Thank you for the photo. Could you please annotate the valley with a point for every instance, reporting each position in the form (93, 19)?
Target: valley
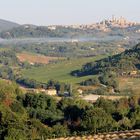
(60, 71)
(70, 82)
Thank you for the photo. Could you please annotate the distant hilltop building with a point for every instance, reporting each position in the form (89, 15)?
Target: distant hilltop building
(52, 27)
(117, 22)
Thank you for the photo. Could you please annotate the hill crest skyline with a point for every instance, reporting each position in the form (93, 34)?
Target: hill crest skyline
(113, 18)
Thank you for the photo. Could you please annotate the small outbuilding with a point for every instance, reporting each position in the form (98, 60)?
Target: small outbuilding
(51, 92)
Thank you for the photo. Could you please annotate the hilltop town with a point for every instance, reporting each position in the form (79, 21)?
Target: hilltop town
(104, 25)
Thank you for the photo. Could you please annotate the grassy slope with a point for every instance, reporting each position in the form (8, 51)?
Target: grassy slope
(129, 83)
(60, 71)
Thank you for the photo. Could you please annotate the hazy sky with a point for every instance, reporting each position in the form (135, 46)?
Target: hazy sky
(46, 12)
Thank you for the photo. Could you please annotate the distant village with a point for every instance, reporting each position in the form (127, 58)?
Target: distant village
(104, 25)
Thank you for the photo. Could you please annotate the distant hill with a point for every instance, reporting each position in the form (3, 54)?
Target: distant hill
(119, 28)
(7, 25)
(125, 62)
(32, 31)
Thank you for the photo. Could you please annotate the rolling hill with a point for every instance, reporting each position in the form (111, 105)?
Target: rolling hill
(125, 62)
(32, 31)
(12, 30)
(7, 25)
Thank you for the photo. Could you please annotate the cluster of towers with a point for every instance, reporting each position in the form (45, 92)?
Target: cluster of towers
(121, 22)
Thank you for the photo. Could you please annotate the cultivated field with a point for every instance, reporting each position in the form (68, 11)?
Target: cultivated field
(36, 58)
(129, 83)
(93, 98)
(60, 71)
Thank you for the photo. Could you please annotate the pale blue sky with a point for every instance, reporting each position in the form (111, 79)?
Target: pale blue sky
(46, 12)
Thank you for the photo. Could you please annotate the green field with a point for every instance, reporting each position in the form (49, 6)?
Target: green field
(60, 71)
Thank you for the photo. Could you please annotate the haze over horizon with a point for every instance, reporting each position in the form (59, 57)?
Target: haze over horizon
(62, 12)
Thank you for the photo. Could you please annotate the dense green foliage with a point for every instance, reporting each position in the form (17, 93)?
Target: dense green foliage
(35, 116)
(8, 58)
(41, 107)
(90, 82)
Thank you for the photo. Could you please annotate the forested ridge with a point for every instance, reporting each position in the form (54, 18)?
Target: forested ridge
(127, 61)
